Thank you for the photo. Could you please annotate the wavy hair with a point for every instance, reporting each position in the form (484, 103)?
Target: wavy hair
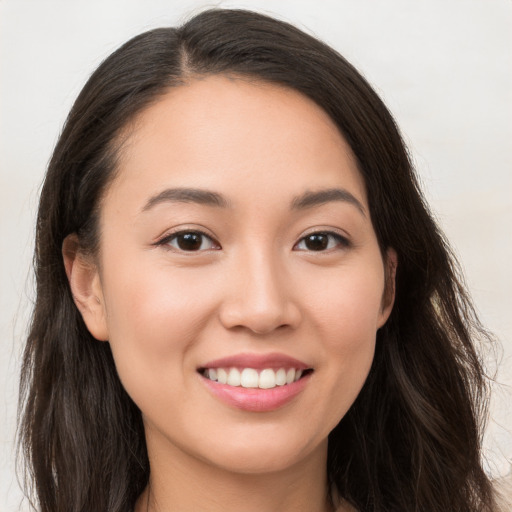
(412, 439)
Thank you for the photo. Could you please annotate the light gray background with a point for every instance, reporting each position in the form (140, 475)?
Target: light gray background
(442, 66)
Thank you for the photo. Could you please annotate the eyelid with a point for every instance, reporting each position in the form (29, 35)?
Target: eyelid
(342, 238)
(170, 235)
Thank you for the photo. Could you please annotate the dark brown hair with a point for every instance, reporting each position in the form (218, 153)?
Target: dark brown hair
(410, 442)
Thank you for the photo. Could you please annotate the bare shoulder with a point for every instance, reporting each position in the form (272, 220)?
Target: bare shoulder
(503, 488)
(345, 507)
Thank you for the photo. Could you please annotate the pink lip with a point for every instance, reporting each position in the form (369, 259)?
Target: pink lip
(258, 362)
(255, 399)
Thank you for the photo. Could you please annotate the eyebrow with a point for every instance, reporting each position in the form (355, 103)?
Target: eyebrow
(312, 199)
(187, 195)
(207, 197)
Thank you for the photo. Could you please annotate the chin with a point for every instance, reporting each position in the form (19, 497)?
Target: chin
(268, 454)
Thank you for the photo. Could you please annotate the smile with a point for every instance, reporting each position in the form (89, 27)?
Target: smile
(256, 382)
(266, 378)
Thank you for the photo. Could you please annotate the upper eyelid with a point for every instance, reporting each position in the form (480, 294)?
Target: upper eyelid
(342, 237)
(166, 240)
(178, 231)
(162, 240)
(327, 231)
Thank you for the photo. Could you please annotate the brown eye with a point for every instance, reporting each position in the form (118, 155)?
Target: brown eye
(321, 241)
(190, 241)
(316, 242)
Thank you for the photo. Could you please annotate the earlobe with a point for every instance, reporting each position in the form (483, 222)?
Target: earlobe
(85, 284)
(388, 298)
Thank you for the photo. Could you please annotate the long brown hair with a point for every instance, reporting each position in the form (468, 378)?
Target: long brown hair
(410, 442)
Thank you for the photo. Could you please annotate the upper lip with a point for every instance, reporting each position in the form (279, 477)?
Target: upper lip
(257, 361)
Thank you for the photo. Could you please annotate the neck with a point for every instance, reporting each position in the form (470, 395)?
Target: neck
(181, 482)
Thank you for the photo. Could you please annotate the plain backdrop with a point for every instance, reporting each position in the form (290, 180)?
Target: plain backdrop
(443, 67)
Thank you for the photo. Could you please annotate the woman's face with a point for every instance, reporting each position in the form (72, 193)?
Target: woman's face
(236, 244)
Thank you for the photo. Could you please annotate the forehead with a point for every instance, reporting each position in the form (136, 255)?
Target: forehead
(228, 132)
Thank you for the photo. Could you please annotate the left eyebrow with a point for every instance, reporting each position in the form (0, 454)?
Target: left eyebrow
(312, 199)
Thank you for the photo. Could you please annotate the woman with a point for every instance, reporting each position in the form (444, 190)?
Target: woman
(243, 302)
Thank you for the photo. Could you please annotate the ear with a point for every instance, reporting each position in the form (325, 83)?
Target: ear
(388, 297)
(84, 281)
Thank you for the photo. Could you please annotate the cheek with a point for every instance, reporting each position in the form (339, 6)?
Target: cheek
(154, 318)
(348, 306)
(346, 313)
(153, 302)
(350, 335)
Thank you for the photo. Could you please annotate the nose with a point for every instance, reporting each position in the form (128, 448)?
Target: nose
(259, 296)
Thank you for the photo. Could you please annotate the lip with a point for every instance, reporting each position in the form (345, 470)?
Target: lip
(256, 399)
(258, 362)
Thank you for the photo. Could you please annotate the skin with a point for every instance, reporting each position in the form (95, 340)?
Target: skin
(254, 286)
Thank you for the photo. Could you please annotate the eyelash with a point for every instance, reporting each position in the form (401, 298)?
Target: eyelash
(166, 240)
(340, 240)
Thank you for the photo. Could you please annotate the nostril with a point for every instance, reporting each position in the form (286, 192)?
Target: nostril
(261, 305)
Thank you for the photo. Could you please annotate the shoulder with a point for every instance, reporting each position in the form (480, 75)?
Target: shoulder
(503, 489)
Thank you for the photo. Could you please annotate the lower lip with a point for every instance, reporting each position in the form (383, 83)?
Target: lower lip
(256, 399)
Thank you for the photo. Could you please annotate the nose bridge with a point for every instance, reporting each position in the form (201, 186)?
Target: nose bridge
(259, 297)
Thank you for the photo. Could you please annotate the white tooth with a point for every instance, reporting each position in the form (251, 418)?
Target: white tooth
(222, 376)
(298, 374)
(267, 379)
(281, 377)
(249, 378)
(233, 377)
(290, 375)
(212, 374)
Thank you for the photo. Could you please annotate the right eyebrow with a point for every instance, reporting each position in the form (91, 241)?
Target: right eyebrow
(187, 195)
